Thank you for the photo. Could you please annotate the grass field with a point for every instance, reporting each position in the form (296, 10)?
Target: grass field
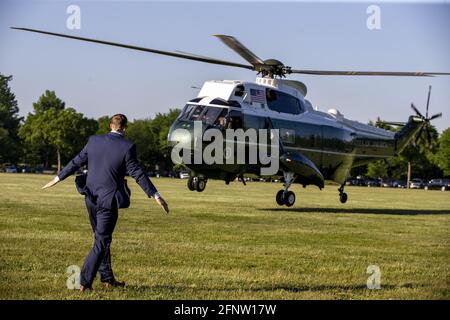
(230, 242)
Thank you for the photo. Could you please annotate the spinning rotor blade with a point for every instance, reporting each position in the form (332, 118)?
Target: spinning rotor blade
(267, 68)
(393, 123)
(167, 53)
(428, 101)
(437, 115)
(368, 73)
(240, 49)
(417, 111)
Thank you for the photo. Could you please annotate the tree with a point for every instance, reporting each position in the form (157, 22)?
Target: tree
(142, 133)
(161, 125)
(48, 101)
(53, 127)
(150, 137)
(10, 147)
(377, 169)
(103, 125)
(442, 156)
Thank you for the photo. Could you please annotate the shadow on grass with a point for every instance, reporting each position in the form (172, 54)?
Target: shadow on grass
(288, 288)
(400, 212)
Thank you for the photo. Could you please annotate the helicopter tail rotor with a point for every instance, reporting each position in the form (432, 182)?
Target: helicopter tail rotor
(427, 122)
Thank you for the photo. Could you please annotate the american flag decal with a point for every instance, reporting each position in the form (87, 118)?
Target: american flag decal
(257, 95)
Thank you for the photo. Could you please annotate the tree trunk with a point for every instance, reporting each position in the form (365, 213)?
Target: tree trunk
(408, 177)
(58, 154)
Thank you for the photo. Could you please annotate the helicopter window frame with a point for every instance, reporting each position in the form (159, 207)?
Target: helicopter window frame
(196, 115)
(282, 102)
(187, 110)
(215, 116)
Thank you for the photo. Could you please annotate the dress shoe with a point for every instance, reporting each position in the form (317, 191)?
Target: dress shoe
(85, 288)
(114, 284)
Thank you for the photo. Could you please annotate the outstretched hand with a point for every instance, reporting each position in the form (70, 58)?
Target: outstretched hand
(51, 183)
(163, 204)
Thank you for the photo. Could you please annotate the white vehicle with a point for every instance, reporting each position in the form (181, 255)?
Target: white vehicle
(184, 175)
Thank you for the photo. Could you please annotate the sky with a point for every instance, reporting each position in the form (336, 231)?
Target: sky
(101, 80)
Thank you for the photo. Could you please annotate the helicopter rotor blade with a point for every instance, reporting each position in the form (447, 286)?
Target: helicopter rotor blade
(437, 115)
(418, 135)
(257, 64)
(417, 111)
(167, 53)
(368, 73)
(428, 101)
(240, 49)
(393, 123)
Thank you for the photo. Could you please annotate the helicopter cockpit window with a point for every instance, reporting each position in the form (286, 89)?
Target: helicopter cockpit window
(195, 116)
(186, 111)
(211, 114)
(239, 91)
(283, 102)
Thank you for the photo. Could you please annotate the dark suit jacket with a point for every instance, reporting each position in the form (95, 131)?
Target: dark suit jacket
(109, 157)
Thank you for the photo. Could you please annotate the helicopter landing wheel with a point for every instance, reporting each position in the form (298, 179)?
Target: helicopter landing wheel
(289, 198)
(200, 184)
(280, 197)
(285, 198)
(343, 197)
(191, 183)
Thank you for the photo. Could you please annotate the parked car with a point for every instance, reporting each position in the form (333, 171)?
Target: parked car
(416, 183)
(11, 169)
(373, 183)
(399, 184)
(27, 170)
(351, 182)
(184, 175)
(387, 183)
(438, 184)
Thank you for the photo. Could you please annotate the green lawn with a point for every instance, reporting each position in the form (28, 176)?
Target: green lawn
(230, 242)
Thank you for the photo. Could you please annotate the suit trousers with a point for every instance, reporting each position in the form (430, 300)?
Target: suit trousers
(103, 222)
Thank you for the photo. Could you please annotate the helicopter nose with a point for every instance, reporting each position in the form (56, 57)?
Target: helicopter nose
(181, 132)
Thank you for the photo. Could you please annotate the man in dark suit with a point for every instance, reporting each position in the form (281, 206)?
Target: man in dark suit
(109, 158)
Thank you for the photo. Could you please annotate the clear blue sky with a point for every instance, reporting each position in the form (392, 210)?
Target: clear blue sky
(99, 80)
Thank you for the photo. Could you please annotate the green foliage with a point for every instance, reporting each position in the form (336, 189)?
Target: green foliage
(143, 134)
(52, 127)
(10, 148)
(442, 156)
(161, 124)
(377, 169)
(103, 125)
(48, 101)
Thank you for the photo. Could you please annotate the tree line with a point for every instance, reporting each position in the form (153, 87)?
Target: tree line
(52, 134)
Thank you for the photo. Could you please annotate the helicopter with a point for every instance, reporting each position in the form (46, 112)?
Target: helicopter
(312, 146)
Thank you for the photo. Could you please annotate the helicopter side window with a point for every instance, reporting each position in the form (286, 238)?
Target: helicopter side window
(211, 114)
(222, 119)
(283, 102)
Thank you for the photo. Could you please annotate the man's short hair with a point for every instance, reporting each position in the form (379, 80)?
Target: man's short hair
(118, 122)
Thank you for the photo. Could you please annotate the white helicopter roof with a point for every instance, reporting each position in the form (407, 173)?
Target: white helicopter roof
(224, 88)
